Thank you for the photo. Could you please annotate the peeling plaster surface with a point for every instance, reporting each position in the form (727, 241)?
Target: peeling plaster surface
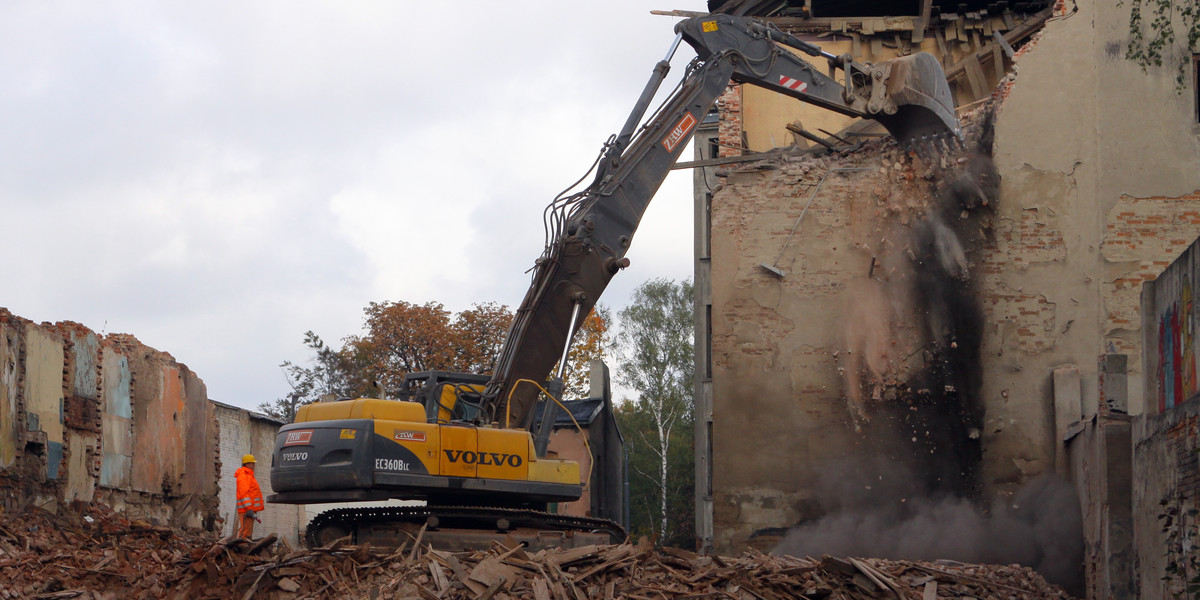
(117, 428)
(44, 393)
(134, 430)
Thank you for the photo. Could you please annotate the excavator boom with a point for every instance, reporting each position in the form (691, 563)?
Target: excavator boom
(467, 443)
(590, 232)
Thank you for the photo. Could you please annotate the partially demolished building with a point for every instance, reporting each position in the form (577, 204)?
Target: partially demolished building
(903, 346)
(87, 417)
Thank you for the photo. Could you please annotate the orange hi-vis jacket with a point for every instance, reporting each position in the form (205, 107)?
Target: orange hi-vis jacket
(249, 496)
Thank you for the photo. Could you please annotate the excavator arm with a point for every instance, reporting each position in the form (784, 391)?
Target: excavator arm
(484, 484)
(589, 233)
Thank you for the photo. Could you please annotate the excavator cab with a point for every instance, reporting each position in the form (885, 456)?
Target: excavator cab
(447, 397)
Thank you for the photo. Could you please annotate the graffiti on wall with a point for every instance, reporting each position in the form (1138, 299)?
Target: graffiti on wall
(1177, 339)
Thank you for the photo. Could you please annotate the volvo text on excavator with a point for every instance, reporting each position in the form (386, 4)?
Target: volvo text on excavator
(468, 444)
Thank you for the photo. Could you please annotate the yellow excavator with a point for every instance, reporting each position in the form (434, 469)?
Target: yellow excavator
(468, 444)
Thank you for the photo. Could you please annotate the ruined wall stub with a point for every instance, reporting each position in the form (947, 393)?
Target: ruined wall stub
(82, 412)
(199, 425)
(73, 426)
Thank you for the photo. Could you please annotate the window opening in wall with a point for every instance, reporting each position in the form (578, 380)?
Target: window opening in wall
(1196, 84)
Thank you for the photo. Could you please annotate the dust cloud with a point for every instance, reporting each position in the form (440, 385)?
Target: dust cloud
(913, 373)
(879, 509)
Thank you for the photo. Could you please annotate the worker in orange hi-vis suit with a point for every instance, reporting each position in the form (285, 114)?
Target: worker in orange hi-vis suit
(249, 497)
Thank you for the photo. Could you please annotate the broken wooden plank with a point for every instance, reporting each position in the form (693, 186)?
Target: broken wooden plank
(487, 594)
(541, 590)
(930, 592)
(567, 557)
(975, 77)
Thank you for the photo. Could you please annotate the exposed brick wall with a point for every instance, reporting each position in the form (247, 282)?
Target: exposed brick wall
(729, 131)
(1184, 440)
(783, 347)
(1142, 236)
(241, 434)
(1028, 318)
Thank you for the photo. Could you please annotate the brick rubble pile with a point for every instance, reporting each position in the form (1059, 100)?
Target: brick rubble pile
(97, 554)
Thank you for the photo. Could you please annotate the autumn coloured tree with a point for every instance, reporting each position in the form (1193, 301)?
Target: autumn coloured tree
(403, 337)
(589, 344)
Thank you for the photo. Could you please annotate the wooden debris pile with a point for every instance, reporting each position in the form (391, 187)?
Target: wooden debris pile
(99, 555)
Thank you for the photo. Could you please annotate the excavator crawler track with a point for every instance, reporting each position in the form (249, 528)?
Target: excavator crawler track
(460, 527)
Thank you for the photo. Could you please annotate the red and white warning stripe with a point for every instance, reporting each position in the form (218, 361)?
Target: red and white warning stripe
(794, 84)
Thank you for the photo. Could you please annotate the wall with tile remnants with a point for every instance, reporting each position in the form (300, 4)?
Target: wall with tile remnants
(91, 418)
(1098, 187)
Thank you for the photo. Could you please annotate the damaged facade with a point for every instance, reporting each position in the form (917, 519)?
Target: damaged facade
(103, 418)
(957, 327)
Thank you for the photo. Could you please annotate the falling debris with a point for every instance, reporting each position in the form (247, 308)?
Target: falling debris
(97, 554)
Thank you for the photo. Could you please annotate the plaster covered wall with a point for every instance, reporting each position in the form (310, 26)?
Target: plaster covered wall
(1111, 169)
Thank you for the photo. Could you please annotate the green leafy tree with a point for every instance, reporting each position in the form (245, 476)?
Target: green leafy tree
(329, 372)
(656, 347)
(1164, 31)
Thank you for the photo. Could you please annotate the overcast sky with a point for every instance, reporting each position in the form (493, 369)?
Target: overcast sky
(216, 178)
